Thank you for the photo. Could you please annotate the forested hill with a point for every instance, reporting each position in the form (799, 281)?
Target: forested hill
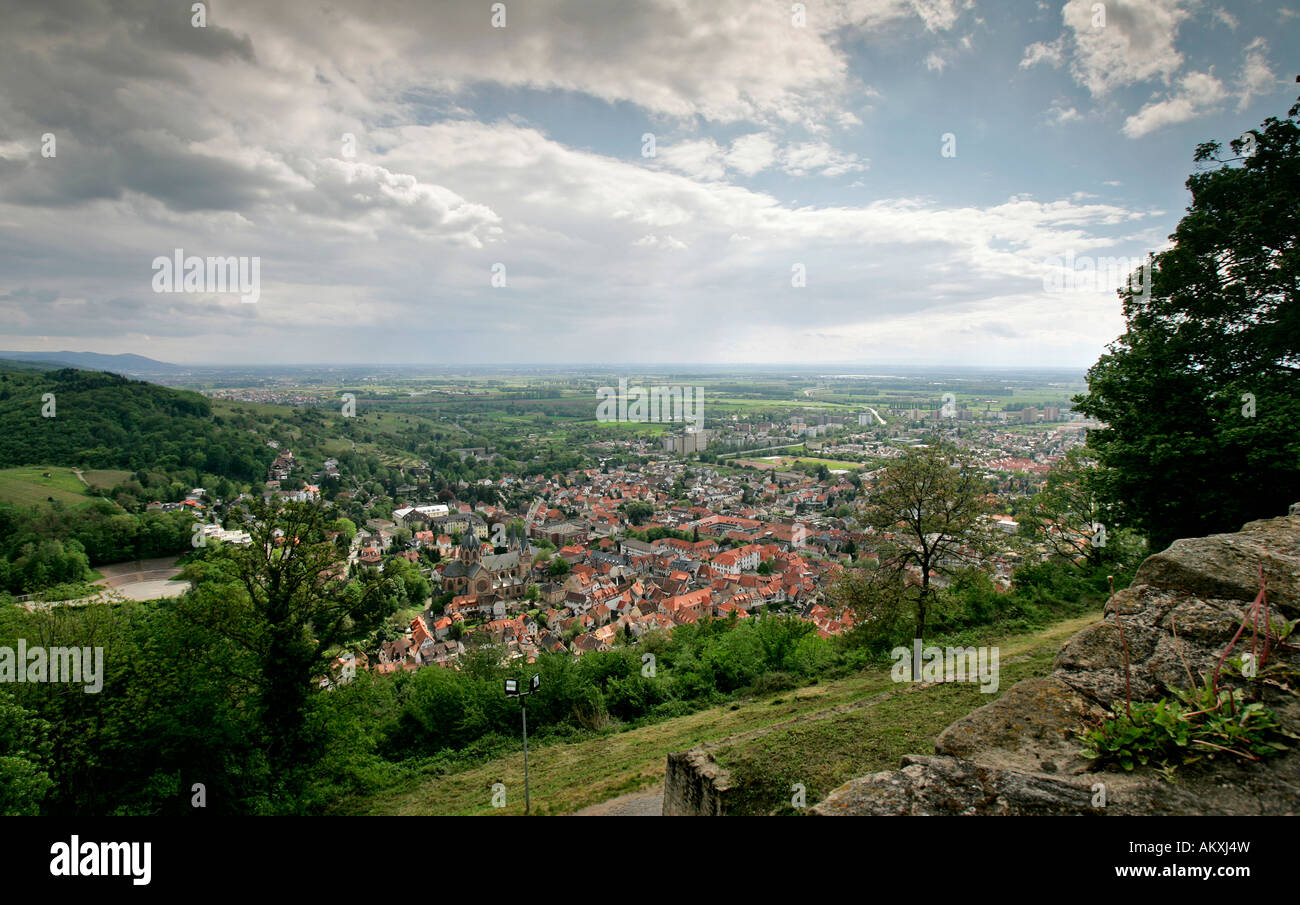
(102, 420)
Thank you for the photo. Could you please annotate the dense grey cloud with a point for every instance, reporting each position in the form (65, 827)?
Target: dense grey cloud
(377, 161)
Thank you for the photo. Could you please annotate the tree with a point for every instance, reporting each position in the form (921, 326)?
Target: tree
(406, 581)
(346, 527)
(24, 773)
(1068, 515)
(928, 512)
(638, 511)
(284, 598)
(1201, 394)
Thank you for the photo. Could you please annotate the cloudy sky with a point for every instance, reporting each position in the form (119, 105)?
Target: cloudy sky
(661, 181)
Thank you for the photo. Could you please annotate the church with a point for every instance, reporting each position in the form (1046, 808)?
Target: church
(494, 576)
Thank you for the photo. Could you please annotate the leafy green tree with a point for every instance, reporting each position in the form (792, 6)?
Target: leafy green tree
(1068, 515)
(638, 511)
(1201, 394)
(24, 776)
(403, 575)
(285, 599)
(928, 512)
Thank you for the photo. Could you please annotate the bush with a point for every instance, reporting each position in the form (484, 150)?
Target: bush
(771, 682)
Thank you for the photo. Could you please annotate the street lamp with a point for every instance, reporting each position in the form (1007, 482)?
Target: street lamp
(512, 691)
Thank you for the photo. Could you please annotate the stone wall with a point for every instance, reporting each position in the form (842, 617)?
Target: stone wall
(694, 785)
(1021, 753)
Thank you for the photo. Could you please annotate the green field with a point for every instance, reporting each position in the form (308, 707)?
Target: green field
(106, 478)
(830, 463)
(28, 486)
(652, 428)
(566, 777)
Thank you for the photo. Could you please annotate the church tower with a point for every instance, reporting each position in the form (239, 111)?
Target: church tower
(471, 548)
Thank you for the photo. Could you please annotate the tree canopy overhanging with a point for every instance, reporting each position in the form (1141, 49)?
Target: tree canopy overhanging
(1201, 394)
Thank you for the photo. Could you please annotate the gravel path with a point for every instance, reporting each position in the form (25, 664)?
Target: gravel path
(649, 803)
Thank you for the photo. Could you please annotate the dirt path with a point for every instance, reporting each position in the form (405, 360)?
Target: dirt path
(649, 803)
(82, 479)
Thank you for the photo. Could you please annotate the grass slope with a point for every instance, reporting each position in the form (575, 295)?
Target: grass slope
(824, 753)
(28, 486)
(820, 753)
(106, 478)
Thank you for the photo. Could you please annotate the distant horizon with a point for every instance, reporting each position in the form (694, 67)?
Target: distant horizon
(623, 365)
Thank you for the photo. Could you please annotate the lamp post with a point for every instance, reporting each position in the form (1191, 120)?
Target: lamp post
(513, 691)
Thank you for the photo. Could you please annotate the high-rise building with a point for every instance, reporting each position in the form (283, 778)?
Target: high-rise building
(691, 441)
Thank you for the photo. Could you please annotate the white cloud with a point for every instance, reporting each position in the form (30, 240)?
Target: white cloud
(705, 159)
(993, 330)
(363, 195)
(1136, 43)
(1198, 93)
(752, 153)
(820, 158)
(1059, 114)
(569, 225)
(13, 150)
(1224, 17)
(726, 60)
(1043, 52)
(938, 15)
(665, 242)
(1256, 76)
(701, 159)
